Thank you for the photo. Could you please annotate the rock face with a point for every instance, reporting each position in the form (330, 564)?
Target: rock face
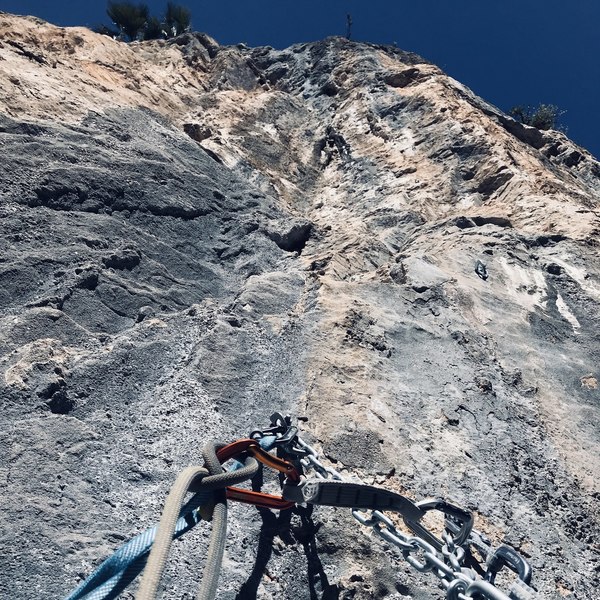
(194, 236)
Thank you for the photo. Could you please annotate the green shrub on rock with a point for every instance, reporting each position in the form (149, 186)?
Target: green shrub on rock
(135, 23)
(544, 117)
(129, 18)
(154, 29)
(178, 19)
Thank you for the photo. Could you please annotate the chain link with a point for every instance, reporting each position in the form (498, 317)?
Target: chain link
(459, 582)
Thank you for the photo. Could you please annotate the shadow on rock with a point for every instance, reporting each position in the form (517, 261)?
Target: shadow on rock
(281, 525)
(317, 578)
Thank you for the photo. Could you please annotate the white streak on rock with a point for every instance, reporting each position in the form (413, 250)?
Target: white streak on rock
(565, 311)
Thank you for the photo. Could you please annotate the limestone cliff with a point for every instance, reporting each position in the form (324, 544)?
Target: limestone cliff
(195, 235)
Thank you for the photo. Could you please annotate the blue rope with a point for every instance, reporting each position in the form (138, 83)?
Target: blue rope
(119, 570)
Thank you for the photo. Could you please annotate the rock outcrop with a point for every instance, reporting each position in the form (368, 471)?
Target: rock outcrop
(194, 236)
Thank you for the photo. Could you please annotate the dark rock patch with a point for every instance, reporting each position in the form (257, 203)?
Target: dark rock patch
(526, 134)
(197, 48)
(554, 269)
(498, 221)
(361, 329)
(197, 132)
(33, 55)
(332, 146)
(145, 312)
(87, 278)
(545, 240)
(464, 222)
(276, 72)
(573, 158)
(212, 154)
(60, 403)
(404, 78)
(294, 239)
(125, 258)
(398, 273)
(330, 88)
(420, 289)
(494, 182)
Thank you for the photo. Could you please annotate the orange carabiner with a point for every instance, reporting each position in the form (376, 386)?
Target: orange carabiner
(258, 498)
(279, 464)
(233, 449)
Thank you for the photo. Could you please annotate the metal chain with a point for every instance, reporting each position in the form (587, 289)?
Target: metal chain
(458, 581)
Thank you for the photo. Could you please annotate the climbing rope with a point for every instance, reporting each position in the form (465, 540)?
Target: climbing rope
(194, 479)
(451, 556)
(119, 570)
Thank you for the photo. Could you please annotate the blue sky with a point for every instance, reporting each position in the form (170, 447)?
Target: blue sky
(508, 51)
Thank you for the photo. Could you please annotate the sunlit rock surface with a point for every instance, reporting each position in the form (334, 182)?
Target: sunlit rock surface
(193, 236)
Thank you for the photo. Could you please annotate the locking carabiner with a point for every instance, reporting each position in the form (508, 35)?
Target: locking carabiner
(258, 498)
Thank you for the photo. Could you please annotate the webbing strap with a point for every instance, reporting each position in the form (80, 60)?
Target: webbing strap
(351, 495)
